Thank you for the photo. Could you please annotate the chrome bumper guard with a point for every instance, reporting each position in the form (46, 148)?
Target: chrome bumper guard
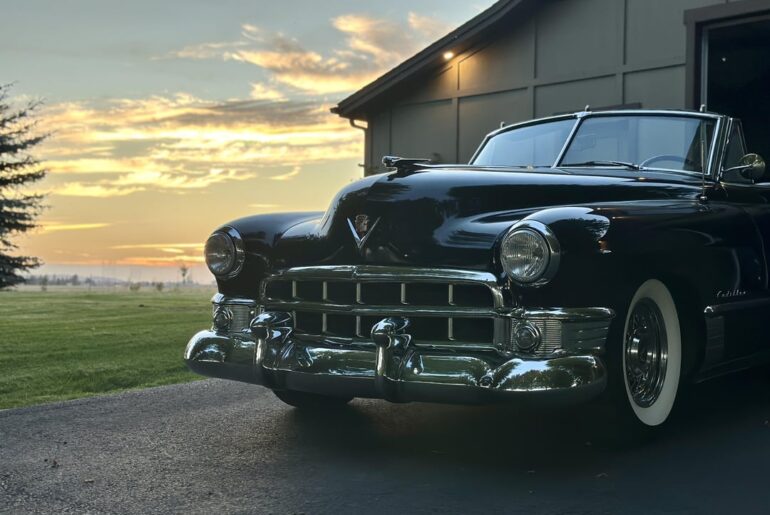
(391, 367)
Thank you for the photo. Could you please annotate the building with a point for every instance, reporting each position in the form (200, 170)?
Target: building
(523, 59)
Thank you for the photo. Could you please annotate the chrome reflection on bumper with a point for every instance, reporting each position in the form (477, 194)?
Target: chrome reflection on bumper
(389, 366)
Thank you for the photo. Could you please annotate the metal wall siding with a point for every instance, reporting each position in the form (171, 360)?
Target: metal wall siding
(570, 53)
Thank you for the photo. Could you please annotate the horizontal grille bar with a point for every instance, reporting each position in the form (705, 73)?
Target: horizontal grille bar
(427, 311)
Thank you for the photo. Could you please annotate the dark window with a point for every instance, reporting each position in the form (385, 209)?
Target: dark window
(736, 147)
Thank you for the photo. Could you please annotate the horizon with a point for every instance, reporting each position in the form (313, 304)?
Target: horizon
(167, 126)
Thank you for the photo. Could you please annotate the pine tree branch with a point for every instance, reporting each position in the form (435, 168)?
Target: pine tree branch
(14, 145)
(18, 212)
(19, 179)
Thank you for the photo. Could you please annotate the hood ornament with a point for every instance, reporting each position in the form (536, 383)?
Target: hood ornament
(361, 229)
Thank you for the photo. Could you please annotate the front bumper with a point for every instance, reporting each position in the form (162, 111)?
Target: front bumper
(391, 367)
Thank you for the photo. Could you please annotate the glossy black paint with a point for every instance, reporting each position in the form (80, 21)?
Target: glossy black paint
(616, 229)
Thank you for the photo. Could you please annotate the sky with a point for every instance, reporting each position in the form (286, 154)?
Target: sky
(169, 118)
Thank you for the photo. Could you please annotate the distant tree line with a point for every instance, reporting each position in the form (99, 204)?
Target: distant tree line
(57, 280)
(46, 280)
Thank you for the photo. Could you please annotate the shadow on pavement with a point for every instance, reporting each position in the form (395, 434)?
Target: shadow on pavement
(376, 457)
(503, 439)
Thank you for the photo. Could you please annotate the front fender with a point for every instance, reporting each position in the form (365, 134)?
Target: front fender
(261, 234)
(608, 249)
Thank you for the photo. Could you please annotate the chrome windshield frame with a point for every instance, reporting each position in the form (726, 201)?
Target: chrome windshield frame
(710, 171)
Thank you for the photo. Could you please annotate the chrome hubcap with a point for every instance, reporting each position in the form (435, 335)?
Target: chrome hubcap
(646, 353)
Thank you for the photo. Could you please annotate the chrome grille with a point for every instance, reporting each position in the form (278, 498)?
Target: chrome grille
(242, 312)
(445, 307)
(558, 334)
(551, 333)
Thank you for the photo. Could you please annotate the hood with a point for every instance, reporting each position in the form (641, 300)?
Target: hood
(454, 216)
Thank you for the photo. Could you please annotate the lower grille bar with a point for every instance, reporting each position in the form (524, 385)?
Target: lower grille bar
(365, 310)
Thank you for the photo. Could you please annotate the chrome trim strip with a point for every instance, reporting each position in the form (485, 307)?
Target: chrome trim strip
(364, 342)
(364, 273)
(720, 309)
(716, 143)
(578, 121)
(725, 142)
(238, 301)
(566, 314)
(367, 310)
(714, 352)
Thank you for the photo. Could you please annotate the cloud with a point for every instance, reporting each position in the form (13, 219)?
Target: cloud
(204, 50)
(158, 246)
(181, 181)
(430, 28)
(181, 143)
(371, 47)
(79, 189)
(261, 92)
(380, 39)
(161, 254)
(49, 227)
(152, 261)
(288, 175)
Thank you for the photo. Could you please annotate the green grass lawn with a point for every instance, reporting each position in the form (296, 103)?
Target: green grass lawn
(67, 344)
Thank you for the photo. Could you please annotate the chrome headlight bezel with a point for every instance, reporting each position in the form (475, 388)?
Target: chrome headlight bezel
(238, 253)
(552, 254)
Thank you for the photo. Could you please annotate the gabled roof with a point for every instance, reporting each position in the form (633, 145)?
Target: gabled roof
(431, 57)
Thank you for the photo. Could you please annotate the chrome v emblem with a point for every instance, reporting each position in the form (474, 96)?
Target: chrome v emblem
(361, 229)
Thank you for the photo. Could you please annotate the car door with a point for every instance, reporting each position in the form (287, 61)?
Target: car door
(747, 330)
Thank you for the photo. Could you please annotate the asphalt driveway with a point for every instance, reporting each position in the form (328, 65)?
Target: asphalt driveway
(222, 447)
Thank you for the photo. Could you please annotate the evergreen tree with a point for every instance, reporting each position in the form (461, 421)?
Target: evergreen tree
(18, 168)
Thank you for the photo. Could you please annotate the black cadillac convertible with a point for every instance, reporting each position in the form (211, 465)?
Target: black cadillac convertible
(610, 255)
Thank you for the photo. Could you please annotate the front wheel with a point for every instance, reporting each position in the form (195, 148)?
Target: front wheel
(310, 401)
(644, 366)
(652, 353)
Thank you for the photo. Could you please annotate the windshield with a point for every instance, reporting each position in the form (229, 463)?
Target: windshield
(634, 142)
(534, 145)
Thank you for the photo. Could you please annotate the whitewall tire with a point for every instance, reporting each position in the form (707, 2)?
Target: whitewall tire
(652, 353)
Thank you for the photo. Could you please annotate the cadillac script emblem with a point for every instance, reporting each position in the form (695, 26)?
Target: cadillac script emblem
(362, 228)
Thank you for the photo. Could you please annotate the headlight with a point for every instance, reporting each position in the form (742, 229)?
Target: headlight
(530, 253)
(225, 253)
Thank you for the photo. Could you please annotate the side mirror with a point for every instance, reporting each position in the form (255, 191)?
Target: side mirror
(751, 167)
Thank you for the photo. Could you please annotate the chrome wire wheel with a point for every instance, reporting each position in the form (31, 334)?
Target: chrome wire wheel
(646, 353)
(651, 353)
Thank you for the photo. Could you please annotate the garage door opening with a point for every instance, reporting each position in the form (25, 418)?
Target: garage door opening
(736, 81)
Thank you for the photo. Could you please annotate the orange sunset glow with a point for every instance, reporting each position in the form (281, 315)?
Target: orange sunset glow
(156, 140)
